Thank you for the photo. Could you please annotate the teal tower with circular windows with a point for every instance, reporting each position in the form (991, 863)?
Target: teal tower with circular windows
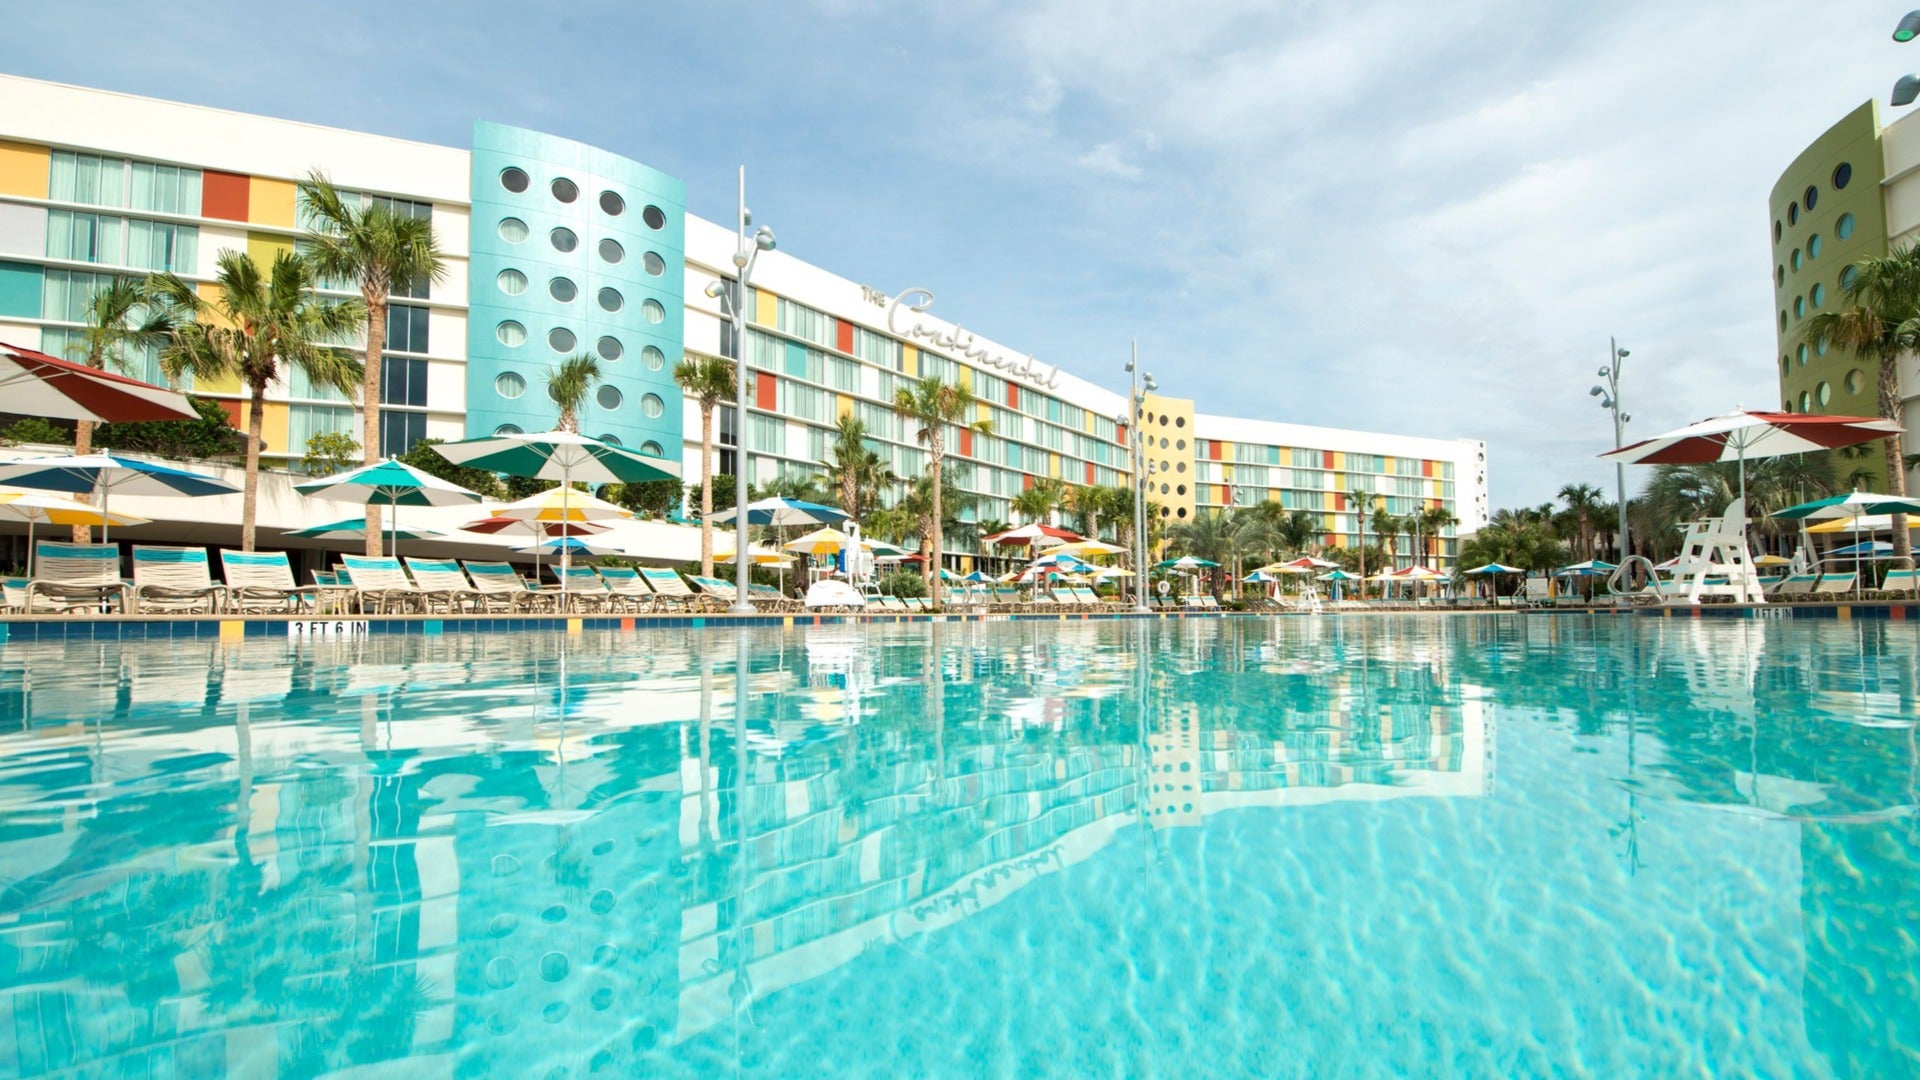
(574, 250)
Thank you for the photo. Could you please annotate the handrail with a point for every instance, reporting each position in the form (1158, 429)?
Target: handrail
(1646, 593)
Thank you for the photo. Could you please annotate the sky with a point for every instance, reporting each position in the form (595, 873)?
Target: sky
(1406, 217)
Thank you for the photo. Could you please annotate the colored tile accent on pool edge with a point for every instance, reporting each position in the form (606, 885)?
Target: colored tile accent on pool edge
(232, 630)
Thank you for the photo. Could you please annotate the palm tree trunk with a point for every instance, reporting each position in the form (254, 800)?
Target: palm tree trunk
(83, 444)
(706, 490)
(1896, 458)
(370, 403)
(933, 560)
(250, 496)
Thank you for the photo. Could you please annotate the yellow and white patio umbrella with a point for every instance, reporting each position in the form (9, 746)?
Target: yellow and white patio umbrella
(761, 556)
(46, 508)
(829, 541)
(1082, 549)
(1864, 523)
(559, 505)
(1112, 572)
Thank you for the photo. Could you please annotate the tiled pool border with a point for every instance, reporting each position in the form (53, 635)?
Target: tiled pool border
(234, 628)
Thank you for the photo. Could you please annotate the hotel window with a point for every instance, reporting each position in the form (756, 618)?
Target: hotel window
(403, 381)
(881, 421)
(64, 293)
(766, 434)
(885, 384)
(765, 352)
(306, 421)
(85, 237)
(85, 178)
(400, 430)
(803, 322)
(843, 374)
(140, 361)
(989, 387)
(298, 387)
(876, 349)
(406, 328)
(808, 403)
(817, 444)
(1054, 409)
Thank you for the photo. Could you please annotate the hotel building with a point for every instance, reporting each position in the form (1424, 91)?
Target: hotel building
(554, 248)
(1852, 194)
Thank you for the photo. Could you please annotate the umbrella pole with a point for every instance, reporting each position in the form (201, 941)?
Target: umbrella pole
(566, 549)
(106, 523)
(30, 546)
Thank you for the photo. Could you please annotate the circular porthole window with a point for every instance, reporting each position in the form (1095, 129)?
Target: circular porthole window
(1844, 227)
(653, 358)
(611, 300)
(1825, 393)
(611, 251)
(1793, 213)
(1179, 421)
(1166, 489)
(1811, 197)
(1856, 381)
(609, 348)
(511, 282)
(653, 312)
(565, 190)
(1813, 246)
(561, 340)
(1818, 295)
(562, 289)
(652, 406)
(507, 429)
(607, 397)
(1793, 260)
(1776, 230)
(1799, 307)
(652, 448)
(513, 230)
(653, 217)
(1806, 401)
(655, 264)
(1181, 490)
(563, 240)
(1848, 276)
(511, 334)
(1779, 276)
(1182, 512)
(609, 439)
(1842, 175)
(513, 179)
(1819, 348)
(1801, 355)
(509, 385)
(1783, 321)
(612, 204)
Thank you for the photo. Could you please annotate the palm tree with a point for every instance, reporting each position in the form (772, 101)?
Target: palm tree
(374, 247)
(1878, 320)
(260, 322)
(1039, 501)
(1219, 536)
(935, 405)
(124, 314)
(858, 473)
(1527, 544)
(1360, 501)
(1086, 502)
(1388, 528)
(1432, 520)
(569, 384)
(708, 380)
(1582, 501)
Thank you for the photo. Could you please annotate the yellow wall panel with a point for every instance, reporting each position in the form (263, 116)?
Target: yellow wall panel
(842, 406)
(23, 170)
(982, 412)
(1339, 461)
(263, 249)
(1273, 494)
(909, 361)
(211, 294)
(1387, 466)
(1226, 451)
(1053, 466)
(273, 430)
(1339, 481)
(766, 309)
(270, 202)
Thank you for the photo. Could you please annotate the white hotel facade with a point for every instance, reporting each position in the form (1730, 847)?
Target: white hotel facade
(554, 247)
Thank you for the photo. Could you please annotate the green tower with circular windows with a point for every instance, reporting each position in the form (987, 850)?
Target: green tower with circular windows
(1827, 214)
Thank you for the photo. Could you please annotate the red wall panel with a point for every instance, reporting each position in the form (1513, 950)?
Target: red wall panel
(844, 338)
(223, 195)
(966, 443)
(763, 390)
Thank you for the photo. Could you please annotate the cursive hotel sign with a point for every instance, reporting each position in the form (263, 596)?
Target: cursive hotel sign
(915, 301)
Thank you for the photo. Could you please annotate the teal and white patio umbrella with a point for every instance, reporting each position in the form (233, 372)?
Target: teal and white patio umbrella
(391, 482)
(1851, 505)
(1494, 568)
(565, 456)
(356, 529)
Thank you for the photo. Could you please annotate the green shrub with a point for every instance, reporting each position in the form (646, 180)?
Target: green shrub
(34, 429)
(902, 583)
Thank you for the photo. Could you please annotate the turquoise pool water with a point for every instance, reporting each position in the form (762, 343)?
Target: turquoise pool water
(1344, 847)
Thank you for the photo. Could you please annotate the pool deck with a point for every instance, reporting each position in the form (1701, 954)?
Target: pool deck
(240, 627)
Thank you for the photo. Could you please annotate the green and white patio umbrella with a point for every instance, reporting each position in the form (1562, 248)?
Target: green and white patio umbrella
(1852, 504)
(356, 529)
(391, 482)
(565, 456)
(1494, 568)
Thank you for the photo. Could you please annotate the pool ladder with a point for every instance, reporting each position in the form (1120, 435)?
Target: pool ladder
(1646, 594)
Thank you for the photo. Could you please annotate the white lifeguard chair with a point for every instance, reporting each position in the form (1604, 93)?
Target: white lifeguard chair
(1714, 560)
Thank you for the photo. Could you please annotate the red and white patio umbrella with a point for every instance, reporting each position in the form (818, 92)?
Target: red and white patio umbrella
(35, 384)
(1744, 433)
(1034, 533)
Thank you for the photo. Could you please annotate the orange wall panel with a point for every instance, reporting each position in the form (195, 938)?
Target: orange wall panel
(764, 394)
(966, 438)
(843, 338)
(224, 195)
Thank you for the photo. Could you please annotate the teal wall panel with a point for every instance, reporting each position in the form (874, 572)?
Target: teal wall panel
(19, 290)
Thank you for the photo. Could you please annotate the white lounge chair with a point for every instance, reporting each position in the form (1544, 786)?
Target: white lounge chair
(75, 577)
(263, 581)
(175, 579)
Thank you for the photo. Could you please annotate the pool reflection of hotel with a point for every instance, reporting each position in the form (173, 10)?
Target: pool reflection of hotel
(553, 248)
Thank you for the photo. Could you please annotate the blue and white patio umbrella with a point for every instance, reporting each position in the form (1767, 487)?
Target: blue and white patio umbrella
(781, 512)
(566, 545)
(1866, 549)
(1590, 568)
(356, 529)
(1494, 568)
(107, 474)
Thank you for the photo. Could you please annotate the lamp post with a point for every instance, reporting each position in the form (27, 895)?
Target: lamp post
(734, 302)
(1135, 406)
(1609, 396)
(1908, 87)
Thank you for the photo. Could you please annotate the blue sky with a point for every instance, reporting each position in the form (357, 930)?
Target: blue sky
(1402, 217)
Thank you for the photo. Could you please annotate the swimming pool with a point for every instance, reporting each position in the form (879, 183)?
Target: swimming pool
(1357, 846)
